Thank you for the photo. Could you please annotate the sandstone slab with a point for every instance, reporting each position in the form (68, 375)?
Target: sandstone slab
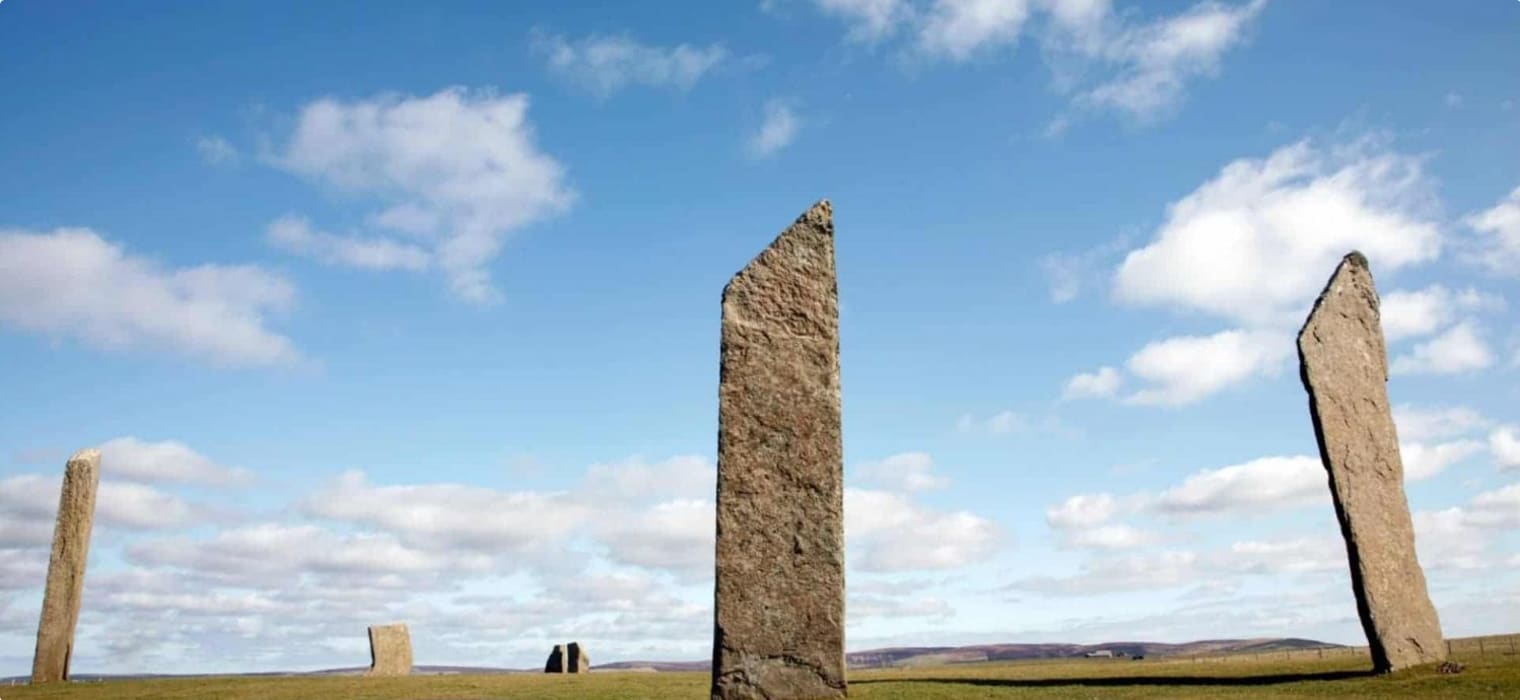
(390, 650)
(1344, 366)
(577, 661)
(65, 577)
(556, 662)
(779, 576)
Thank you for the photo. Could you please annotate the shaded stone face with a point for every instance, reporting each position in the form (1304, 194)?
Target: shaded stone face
(779, 598)
(1344, 366)
(556, 662)
(65, 578)
(578, 661)
(390, 650)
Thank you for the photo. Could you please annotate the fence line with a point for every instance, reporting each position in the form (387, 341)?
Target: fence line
(1492, 645)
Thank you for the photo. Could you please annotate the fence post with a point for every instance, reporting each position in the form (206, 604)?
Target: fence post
(1480, 647)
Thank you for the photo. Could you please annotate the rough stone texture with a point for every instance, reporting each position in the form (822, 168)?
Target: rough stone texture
(1344, 366)
(390, 651)
(578, 661)
(779, 598)
(556, 662)
(65, 578)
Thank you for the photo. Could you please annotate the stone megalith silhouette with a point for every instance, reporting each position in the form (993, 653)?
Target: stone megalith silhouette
(779, 575)
(1344, 366)
(390, 651)
(65, 577)
(577, 661)
(556, 662)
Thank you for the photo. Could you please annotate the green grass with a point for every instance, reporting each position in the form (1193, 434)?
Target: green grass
(1486, 677)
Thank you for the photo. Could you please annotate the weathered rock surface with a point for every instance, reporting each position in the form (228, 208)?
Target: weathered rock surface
(65, 578)
(390, 650)
(779, 598)
(578, 661)
(556, 662)
(1344, 366)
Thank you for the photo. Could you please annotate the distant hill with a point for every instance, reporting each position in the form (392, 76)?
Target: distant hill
(871, 658)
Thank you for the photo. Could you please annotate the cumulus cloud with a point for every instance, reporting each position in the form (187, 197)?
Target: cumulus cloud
(1256, 486)
(1082, 510)
(1460, 349)
(1418, 423)
(1413, 313)
(1498, 235)
(29, 505)
(1188, 369)
(1422, 461)
(777, 130)
(869, 20)
(1101, 383)
(909, 471)
(169, 461)
(294, 234)
(956, 29)
(605, 64)
(72, 283)
(457, 170)
(891, 533)
(675, 536)
(1504, 442)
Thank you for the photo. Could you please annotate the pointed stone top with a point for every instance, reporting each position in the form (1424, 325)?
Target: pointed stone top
(1354, 276)
(1355, 259)
(804, 249)
(820, 214)
(89, 454)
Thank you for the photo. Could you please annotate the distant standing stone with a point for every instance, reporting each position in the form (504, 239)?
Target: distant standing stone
(779, 593)
(1344, 366)
(578, 661)
(390, 650)
(556, 662)
(65, 577)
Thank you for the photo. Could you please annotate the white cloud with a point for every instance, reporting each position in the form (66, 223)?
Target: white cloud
(1112, 537)
(1258, 485)
(272, 549)
(1082, 511)
(29, 505)
(675, 536)
(1154, 61)
(1417, 423)
(1504, 443)
(886, 531)
(73, 283)
(869, 20)
(956, 29)
(140, 507)
(138, 460)
(682, 477)
(777, 131)
(1103, 383)
(294, 234)
(1498, 231)
(1187, 369)
(1000, 423)
(1460, 349)
(1123, 573)
(458, 170)
(1412, 313)
(216, 150)
(909, 471)
(1422, 461)
(1256, 243)
(606, 64)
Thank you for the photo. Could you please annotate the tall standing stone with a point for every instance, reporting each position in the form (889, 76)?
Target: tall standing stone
(65, 578)
(577, 660)
(1344, 366)
(390, 651)
(779, 598)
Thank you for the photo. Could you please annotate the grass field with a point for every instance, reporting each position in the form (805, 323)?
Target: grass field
(1493, 676)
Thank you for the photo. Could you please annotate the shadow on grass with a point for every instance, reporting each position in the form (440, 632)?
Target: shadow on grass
(1119, 681)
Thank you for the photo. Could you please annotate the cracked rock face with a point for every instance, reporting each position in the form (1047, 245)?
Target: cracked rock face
(779, 598)
(65, 577)
(390, 650)
(1344, 366)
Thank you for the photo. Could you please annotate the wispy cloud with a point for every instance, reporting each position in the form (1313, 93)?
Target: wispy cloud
(778, 129)
(606, 64)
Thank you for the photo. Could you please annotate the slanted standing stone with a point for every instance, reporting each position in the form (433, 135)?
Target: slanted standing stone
(1344, 366)
(556, 662)
(578, 661)
(65, 578)
(390, 651)
(779, 600)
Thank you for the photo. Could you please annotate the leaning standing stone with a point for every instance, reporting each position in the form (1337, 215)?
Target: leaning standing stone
(556, 662)
(390, 650)
(65, 578)
(1344, 366)
(578, 661)
(779, 600)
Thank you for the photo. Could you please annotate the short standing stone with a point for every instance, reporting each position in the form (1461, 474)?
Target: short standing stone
(578, 661)
(390, 650)
(556, 662)
(65, 577)
(779, 579)
(1344, 366)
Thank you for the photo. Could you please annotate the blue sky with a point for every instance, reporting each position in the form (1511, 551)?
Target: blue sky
(399, 312)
